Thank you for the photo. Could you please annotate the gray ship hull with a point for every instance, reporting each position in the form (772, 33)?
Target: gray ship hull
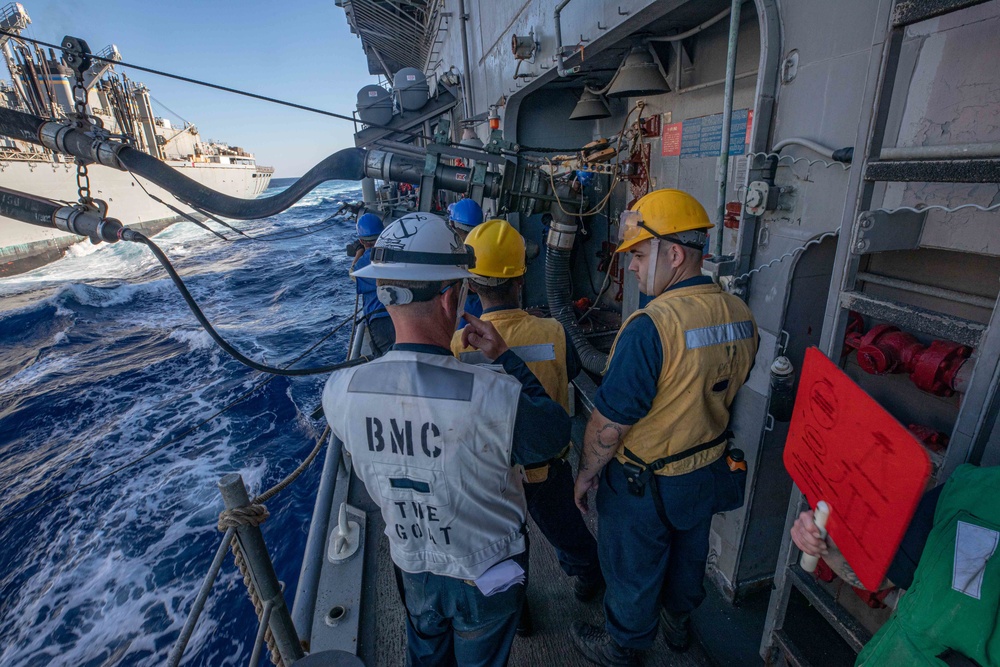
(24, 247)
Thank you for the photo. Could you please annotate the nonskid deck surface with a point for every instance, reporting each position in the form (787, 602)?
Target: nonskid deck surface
(553, 609)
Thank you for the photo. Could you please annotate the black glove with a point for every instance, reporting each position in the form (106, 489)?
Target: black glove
(352, 248)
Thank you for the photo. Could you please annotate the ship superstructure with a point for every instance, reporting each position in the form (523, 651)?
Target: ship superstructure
(850, 158)
(42, 84)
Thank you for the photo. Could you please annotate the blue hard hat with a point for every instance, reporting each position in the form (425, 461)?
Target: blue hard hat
(466, 214)
(369, 227)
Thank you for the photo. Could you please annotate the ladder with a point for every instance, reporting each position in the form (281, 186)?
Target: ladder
(875, 230)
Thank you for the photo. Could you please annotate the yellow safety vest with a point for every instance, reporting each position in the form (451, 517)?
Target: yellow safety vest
(709, 341)
(530, 338)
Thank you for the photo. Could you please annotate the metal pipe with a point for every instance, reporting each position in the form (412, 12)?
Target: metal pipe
(467, 90)
(695, 30)
(390, 167)
(368, 190)
(177, 652)
(709, 84)
(952, 152)
(727, 121)
(234, 495)
(927, 290)
(806, 143)
(561, 65)
(258, 643)
(312, 559)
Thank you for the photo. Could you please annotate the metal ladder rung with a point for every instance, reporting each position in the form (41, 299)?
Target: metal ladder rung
(846, 626)
(792, 654)
(936, 324)
(934, 171)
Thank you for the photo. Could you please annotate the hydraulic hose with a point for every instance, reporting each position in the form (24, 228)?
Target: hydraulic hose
(136, 237)
(23, 126)
(27, 208)
(559, 246)
(344, 165)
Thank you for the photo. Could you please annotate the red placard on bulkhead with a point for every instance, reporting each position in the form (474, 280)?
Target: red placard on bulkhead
(844, 448)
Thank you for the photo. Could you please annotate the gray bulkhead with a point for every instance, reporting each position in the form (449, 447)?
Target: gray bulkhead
(806, 70)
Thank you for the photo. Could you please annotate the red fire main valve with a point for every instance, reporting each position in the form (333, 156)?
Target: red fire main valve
(885, 349)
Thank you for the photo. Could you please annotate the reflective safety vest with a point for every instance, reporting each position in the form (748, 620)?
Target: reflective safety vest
(954, 601)
(431, 439)
(709, 341)
(540, 342)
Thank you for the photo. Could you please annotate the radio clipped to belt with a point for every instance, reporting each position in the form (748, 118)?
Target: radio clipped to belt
(638, 473)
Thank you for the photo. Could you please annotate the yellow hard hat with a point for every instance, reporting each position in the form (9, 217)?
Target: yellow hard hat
(499, 250)
(664, 214)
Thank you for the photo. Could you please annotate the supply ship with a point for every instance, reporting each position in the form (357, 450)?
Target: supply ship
(849, 156)
(41, 83)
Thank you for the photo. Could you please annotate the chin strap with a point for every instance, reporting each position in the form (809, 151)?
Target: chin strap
(654, 261)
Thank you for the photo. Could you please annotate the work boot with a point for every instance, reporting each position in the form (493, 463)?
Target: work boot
(525, 628)
(586, 588)
(676, 630)
(597, 646)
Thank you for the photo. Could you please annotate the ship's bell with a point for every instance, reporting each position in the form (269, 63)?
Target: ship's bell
(638, 75)
(590, 107)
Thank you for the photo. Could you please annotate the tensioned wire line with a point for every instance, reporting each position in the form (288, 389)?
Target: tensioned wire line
(239, 399)
(274, 100)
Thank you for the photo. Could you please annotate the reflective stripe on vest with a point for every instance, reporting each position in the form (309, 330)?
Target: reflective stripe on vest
(709, 341)
(540, 342)
(954, 601)
(436, 462)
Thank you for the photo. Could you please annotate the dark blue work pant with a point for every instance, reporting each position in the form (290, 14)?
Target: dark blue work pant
(551, 505)
(648, 564)
(449, 622)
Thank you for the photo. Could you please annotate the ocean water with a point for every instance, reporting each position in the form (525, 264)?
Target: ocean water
(100, 362)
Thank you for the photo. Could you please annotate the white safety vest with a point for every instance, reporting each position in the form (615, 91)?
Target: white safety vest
(431, 439)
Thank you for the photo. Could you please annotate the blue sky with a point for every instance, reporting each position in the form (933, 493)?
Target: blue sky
(297, 50)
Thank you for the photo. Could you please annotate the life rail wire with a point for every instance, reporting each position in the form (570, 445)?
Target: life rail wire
(791, 253)
(795, 160)
(139, 459)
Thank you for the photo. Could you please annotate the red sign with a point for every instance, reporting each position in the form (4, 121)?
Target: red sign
(844, 448)
(672, 139)
(749, 126)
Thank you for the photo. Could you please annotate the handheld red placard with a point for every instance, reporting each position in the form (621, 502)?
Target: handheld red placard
(844, 448)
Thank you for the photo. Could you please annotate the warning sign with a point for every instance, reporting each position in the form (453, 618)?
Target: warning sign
(844, 448)
(672, 139)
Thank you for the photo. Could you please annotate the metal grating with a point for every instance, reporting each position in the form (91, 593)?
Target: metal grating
(394, 33)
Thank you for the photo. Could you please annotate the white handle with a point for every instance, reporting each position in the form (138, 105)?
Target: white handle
(807, 562)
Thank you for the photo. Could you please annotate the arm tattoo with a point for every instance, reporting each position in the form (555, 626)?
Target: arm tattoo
(848, 575)
(609, 436)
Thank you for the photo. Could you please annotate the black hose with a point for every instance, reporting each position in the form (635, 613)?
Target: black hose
(557, 273)
(558, 288)
(23, 126)
(345, 165)
(27, 208)
(132, 235)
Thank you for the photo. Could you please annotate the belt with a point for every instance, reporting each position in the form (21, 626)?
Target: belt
(639, 473)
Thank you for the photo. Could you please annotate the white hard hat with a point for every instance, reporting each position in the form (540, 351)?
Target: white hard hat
(419, 247)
